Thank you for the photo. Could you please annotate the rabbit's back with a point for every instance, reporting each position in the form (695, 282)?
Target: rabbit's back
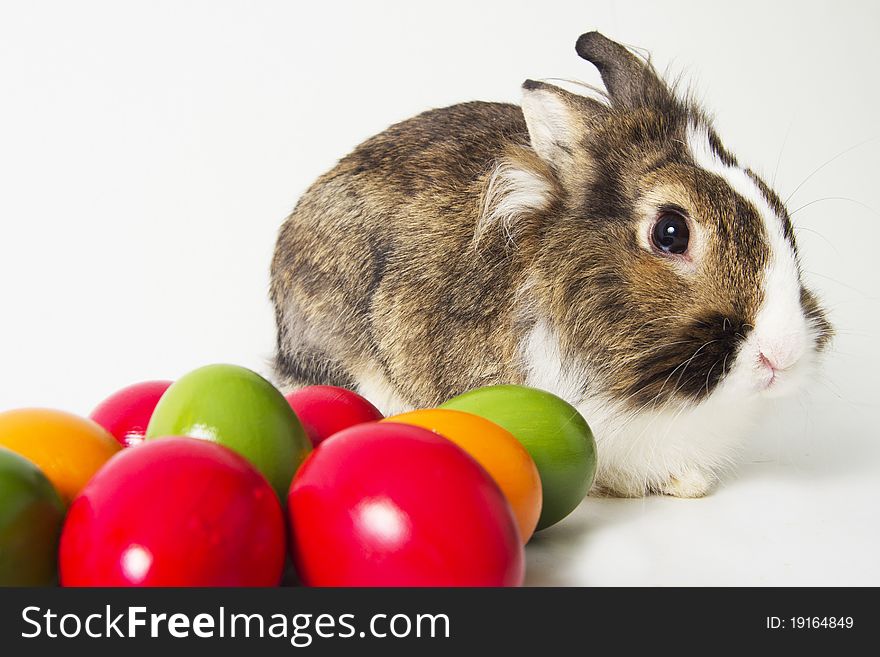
(375, 273)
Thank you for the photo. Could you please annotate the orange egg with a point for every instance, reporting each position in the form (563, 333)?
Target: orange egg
(66, 447)
(497, 450)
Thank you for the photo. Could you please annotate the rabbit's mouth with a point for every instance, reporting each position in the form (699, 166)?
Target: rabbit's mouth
(770, 371)
(775, 382)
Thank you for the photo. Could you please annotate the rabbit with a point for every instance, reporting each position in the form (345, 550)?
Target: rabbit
(605, 247)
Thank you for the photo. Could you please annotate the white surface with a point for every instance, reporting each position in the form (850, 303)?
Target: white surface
(149, 152)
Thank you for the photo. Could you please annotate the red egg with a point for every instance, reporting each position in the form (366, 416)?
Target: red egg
(324, 410)
(397, 505)
(127, 412)
(174, 512)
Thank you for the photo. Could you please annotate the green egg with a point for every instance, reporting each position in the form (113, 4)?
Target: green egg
(554, 433)
(239, 409)
(31, 514)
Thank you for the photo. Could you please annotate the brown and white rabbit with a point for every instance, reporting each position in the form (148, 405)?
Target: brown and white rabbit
(608, 249)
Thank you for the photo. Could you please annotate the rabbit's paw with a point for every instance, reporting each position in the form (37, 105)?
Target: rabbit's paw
(690, 483)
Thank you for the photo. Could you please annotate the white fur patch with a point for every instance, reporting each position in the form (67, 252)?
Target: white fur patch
(781, 331)
(379, 391)
(659, 449)
(545, 368)
(551, 124)
(512, 192)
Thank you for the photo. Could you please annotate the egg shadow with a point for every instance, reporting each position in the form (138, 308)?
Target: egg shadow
(549, 552)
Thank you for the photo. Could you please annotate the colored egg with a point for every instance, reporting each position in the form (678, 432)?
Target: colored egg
(68, 449)
(324, 410)
(31, 513)
(239, 409)
(553, 432)
(397, 505)
(497, 450)
(127, 412)
(174, 512)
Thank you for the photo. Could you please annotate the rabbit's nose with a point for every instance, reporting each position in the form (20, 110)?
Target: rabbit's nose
(780, 355)
(768, 362)
(769, 369)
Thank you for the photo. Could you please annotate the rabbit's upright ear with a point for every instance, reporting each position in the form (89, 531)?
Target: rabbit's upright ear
(557, 120)
(630, 80)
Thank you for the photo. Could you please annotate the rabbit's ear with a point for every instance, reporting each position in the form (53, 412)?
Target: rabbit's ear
(630, 80)
(557, 121)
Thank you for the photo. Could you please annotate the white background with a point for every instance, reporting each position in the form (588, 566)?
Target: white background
(150, 150)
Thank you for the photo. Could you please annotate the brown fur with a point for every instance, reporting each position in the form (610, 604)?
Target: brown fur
(377, 260)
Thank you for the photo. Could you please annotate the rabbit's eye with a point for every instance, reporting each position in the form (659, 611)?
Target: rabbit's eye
(671, 233)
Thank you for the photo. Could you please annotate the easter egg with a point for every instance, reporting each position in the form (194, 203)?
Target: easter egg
(397, 505)
(174, 512)
(553, 432)
(127, 412)
(497, 450)
(68, 449)
(324, 410)
(31, 513)
(239, 409)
